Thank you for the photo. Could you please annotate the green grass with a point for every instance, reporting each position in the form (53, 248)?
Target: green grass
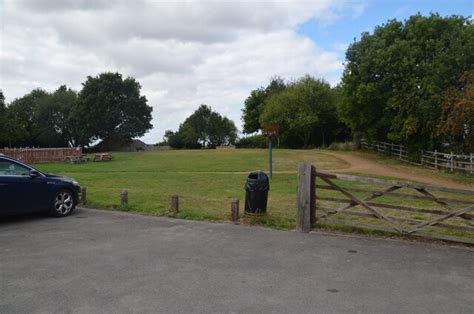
(206, 182)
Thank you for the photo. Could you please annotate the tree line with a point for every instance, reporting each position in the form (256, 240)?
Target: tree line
(108, 108)
(408, 82)
(302, 112)
(411, 82)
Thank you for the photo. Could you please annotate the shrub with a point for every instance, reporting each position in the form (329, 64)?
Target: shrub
(253, 141)
(346, 146)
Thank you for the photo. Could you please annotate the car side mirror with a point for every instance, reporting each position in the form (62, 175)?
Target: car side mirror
(34, 173)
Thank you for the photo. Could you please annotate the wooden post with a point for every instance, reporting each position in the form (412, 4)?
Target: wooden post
(312, 212)
(436, 158)
(83, 196)
(124, 198)
(174, 204)
(470, 162)
(306, 215)
(452, 161)
(234, 210)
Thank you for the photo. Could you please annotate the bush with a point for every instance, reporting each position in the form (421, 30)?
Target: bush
(346, 146)
(254, 141)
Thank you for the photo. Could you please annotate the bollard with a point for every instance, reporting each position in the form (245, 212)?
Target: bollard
(234, 210)
(124, 198)
(174, 204)
(83, 196)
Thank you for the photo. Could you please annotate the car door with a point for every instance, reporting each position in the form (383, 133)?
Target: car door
(10, 188)
(22, 192)
(36, 193)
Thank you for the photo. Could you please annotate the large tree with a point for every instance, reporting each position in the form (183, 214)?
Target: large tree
(111, 108)
(22, 126)
(394, 77)
(54, 118)
(40, 119)
(254, 104)
(204, 128)
(304, 109)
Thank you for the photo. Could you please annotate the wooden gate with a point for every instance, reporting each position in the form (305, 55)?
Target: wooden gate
(388, 205)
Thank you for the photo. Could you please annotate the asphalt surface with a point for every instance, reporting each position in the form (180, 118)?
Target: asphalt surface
(108, 262)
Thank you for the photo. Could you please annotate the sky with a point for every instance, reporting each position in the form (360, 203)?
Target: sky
(187, 53)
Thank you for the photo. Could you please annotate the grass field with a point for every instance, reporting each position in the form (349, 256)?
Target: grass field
(205, 180)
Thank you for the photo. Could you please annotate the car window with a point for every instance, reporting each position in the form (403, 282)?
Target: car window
(8, 168)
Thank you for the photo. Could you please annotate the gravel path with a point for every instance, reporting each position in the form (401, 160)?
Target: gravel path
(359, 164)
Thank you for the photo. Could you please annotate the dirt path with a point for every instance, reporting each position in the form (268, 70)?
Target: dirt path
(362, 165)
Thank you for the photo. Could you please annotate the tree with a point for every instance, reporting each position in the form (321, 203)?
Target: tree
(255, 102)
(22, 128)
(457, 118)
(204, 128)
(54, 116)
(3, 120)
(299, 110)
(110, 108)
(40, 119)
(173, 139)
(393, 78)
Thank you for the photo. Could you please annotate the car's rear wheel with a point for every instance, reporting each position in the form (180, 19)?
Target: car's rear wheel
(63, 203)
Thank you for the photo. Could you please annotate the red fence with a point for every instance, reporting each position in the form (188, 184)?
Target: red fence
(34, 155)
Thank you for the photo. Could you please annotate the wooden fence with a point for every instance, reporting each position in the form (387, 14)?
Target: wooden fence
(422, 213)
(35, 155)
(434, 160)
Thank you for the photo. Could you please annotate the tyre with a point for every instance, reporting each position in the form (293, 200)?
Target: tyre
(63, 203)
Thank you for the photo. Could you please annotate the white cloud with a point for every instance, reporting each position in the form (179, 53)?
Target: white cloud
(183, 53)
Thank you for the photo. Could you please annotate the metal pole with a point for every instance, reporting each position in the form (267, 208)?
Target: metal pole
(270, 155)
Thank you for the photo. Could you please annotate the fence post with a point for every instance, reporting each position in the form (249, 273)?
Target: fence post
(124, 198)
(436, 158)
(470, 162)
(422, 155)
(234, 210)
(83, 196)
(306, 215)
(452, 161)
(174, 204)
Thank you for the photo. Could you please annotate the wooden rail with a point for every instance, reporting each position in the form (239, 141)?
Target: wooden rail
(420, 209)
(36, 155)
(430, 159)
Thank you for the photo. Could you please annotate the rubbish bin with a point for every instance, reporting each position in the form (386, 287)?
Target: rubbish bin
(256, 193)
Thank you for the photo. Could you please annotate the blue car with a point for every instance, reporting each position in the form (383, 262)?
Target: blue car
(24, 189)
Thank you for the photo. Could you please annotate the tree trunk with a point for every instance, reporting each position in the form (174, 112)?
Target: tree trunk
(306, 139)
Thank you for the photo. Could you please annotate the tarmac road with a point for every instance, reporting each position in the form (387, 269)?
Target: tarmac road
(110, 262)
